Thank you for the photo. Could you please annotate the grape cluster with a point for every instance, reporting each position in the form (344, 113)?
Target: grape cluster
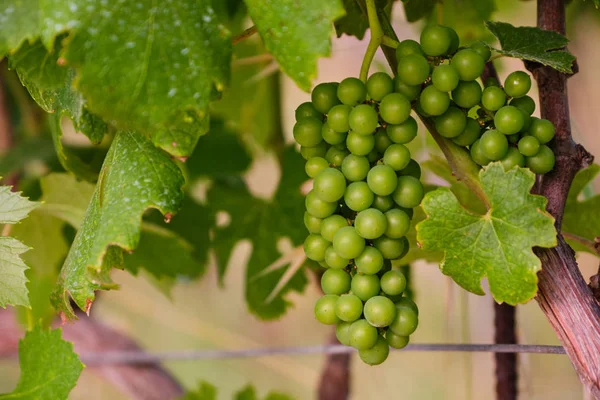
(365, 186)
(494, 123)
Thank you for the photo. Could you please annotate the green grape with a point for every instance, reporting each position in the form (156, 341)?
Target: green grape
(454, 41)
(435, 40)
(363, 119)
(330, 225)
(395, 341)
(362, 335)
(542, 162)
(352, 91)
(406, 246)
(342, 333)
(370, 223)
(394, 108)
(403, 133)
(433, 101)
(382, 180)
(412, 169)
(482, 49)
(334, 260)
(358, 196)
(509, 120)
(360, 145)
(444, 78)
(369, 262)
(393, 283)
(383, 203)
(468, 64)
(542, 129)
(319, 150)
(514, 138)
(409, 192)
(451, 123)
(324, 97)
(408, 211)
(348, 308)
(332, 137)
(529, 146)
(376, 354)
(312, 224)
(470, 134)
(315, 246)
(373, 156)
(315, 165)
(338, 118)
(406, 302)
(517, 84)
(413, 69)
(307, 132)
(335, 156)
(527, 120)
(379, 311)
(397, 156)
(420, 111)
(407, 47)
(323, 264)
(355, 168)
(494, 145)
(306, 110)
(477, 153)
(365, 286)
(391, 249)
(398, 223)
(512, 159)
(525, 103)
(335, 281)
(379, 85)
(325, 310)
(493, 98)
(411, 92)
(405, 322)
(330, 185)
(382, 141)
(317, 207)
(348, 243)
(467, 94)
(387, 266)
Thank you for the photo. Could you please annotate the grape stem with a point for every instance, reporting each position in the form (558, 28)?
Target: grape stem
(375, 41)
(244, 35)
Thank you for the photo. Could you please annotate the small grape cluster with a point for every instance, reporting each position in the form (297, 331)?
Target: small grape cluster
(495, 124)
(365, 187)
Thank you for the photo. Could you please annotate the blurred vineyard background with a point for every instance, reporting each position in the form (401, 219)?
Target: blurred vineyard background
(202, 315)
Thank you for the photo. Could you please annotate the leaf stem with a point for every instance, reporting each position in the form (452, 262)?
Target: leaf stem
(244, 35)
(389, 42)
(375, 41)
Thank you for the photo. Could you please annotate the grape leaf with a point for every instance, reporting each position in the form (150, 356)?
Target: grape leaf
(354, 23)
(205, 391)
(581, 218)
(65, 198)
(135, 176)
(296, 33)
(264, 223)
(13, 207)
(26, 151)
(533, 44)
(467, 18)
(497, 244)
(49, 367)
(417, 9)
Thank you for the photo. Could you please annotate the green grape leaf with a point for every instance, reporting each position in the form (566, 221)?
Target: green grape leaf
(581, 218)
(65, 198)
(264, 223)
(354, 23)
(135, 176)
(497, 245)
(418, 9)
(27, 151)
(467, 18)
(533, 44)
(205, 391)
(296, 33)
(13, 207)
(49, 367)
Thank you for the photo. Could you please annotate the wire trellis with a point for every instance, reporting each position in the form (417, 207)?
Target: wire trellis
(140, 357)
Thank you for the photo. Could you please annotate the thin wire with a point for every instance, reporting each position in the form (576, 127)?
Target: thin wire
(138, 357)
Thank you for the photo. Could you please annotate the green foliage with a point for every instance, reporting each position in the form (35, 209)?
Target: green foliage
(24, 152)
(49, 367)
(497, 244)
(135, 176)
(581, 217)
(354, 23)
(249, 393)
(467, 17)
(533, 44)
(264, 223)
(296, 33)
(417, 9)
(206, 391)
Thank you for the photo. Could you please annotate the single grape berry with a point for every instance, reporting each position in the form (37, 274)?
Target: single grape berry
(407, 47)
(360, 145)
(362, 335)
(542, 162)
(363, 119)
(335, 156)
(315, 246)
(393, 283)
(482, 49)
(348, 308)
(405, 322)
(370, 223)
(393, 340)
(306, 110)
(382, 180)
(355, 168)
(338, 118)
(312, 224)
(358, 196)
(454, 41)
(307, 132)
(365, 286)
(467, 94)
(435, 40)
(394, 108)
(491, 81)
(324, 97)
(334, 260)
(335, 281)
(370, 261)
(494, 145)
(493, 98)
(398, 223)
(382, 140)
(317, 207)
(529, 146)
(410, 91)
(342, 333)
(376, 354)
(468, 64)
(409, 192)
(517, 84)
(403, 133)
(451, 123)
(379, 85)
(413, 69)
(330, 225)
(330, 136)
(433, 101)
(325, 310)
(512, 159)
(352, 91)
(509, 120)
(525, 103)
(412, 169)
(445, 78)
(348, 243)
(319, 150)
(470, 134)
(379, 311)
(330, 185)
(389, 248)
(542, 129)
(477, 154)
(396, 156)
(315, 165)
